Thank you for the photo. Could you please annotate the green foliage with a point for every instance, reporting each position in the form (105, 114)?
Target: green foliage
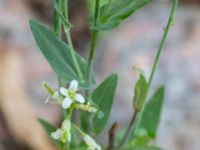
(141, 148)
(141, 90)
(91, 7)
(66, 23)
(49, 128)
(56, 20)
(103, 97)
(151, 114)
(68, 65)
(58, 54)
(113, 12)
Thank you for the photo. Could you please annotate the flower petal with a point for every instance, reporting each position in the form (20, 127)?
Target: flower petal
(73, 85)
(67, 102)
(89, 141)
(57, 134)
(66, 125)
(64, 91)
(69, 136)
(55, 95)
(79, 98)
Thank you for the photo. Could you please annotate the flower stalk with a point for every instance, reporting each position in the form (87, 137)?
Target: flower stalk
(68, 34)
(136, 118)
(93, 43)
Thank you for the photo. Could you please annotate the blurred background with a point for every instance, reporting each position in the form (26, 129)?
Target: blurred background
(134, 43)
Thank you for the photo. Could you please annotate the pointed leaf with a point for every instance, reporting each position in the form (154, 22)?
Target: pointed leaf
(141, 148)
(58, 54)
(49, 128)
(141, 89)
(103, 97)
(152, 112)
(112, 14)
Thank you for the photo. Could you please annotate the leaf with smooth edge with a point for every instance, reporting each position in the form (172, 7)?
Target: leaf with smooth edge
(111, 15)
(103, 96)
(141, 89)
(58, 54)
(47, 126)
(152, 112)
(141, 148)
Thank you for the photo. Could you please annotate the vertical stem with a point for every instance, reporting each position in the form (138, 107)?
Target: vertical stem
(73, 54)
(136, 119)
(90, 64)
(91, 54)
(57, 26)
(93, 43)
(68, 34)
(169, 23)
(129, 129)
(112, 133)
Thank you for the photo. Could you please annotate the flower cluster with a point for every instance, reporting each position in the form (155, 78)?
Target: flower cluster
(63, 134)
(70, 98)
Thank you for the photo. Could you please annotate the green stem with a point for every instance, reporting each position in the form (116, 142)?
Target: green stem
(91, 55)
(166, 31)
(93, 43)
(169, 23)
(73, 54)
(78, 129)
(90, 62)
(57, 26)
(138, 116)
(129, 129)
(68, 34)
(48, 88)
(69, 115)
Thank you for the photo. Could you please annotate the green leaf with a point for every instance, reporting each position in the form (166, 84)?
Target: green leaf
(103, 97)
(141, 148)
(56, 19)
(141, 89)
(152, 112)
(49, 128)
(91, 7)
(58, 55)
(112, 14)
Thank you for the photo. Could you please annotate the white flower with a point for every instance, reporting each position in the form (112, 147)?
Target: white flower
(73, 85)
(57, 134)
(66, 126)
(67, 102)
(71, 95)
(92, 145)
(63, 134)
